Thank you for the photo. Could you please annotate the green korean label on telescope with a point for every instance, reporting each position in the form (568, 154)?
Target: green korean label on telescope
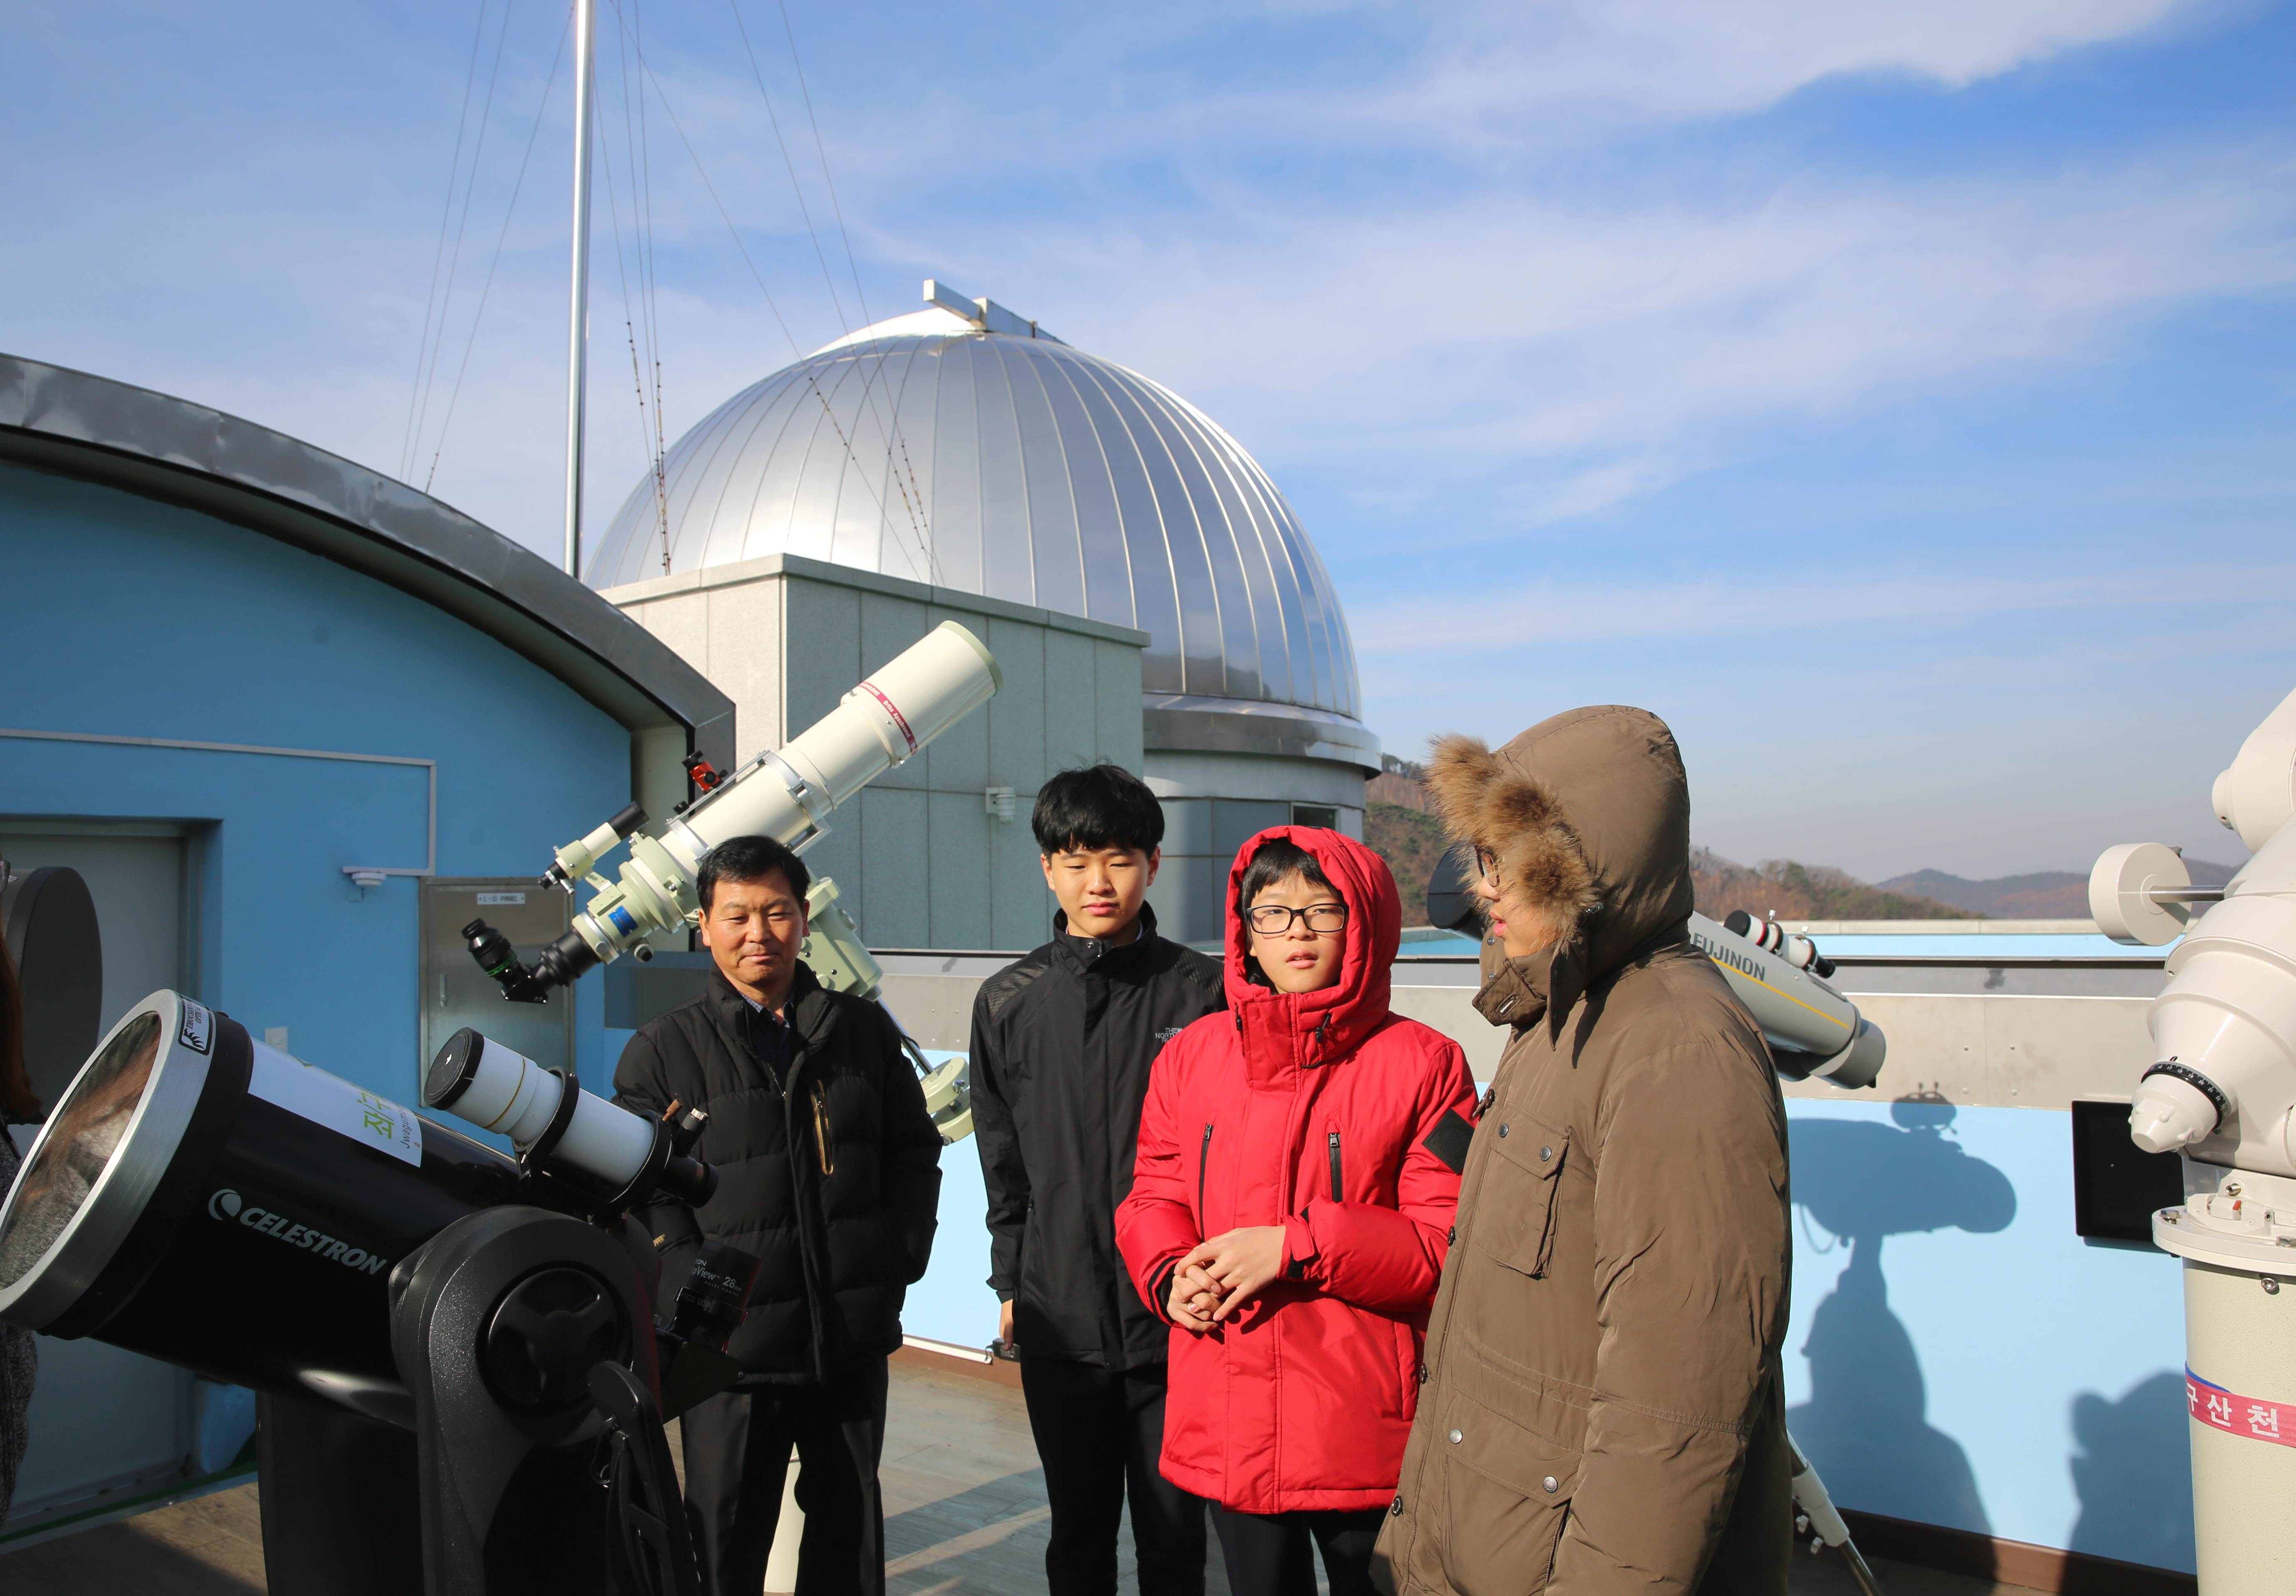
(331, 1101)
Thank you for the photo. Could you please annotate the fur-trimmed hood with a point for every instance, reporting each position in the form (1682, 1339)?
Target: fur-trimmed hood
(1589, 812)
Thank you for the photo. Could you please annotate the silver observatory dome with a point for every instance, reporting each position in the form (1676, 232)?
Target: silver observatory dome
(966, 446)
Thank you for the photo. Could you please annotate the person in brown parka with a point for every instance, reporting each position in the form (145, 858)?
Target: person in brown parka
(1603, 1410)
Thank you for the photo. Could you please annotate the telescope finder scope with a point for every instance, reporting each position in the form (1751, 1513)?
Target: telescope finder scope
(569, 1131)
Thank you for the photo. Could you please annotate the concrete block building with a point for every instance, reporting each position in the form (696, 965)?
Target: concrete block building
(935, 851)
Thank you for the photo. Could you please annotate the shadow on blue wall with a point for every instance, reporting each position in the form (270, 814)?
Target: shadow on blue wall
(2134, 1473)
(1865, 1425)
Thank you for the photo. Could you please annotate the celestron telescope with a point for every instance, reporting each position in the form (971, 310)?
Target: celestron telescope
(441, 1333)
(2220, 1094)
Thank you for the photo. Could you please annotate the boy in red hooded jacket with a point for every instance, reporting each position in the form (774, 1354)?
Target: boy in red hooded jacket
(1290, 1205)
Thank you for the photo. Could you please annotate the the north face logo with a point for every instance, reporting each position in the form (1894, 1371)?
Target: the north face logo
(1165, 1035)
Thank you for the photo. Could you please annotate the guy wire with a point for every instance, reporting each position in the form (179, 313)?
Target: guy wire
(438, 251)
(430, 380)
(485, 290)
(812, 381)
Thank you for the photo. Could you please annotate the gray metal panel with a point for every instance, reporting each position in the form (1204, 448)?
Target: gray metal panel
(1236, 821)
(97, 430)
(1056, 556)
(455, 992)
(894, 884)
(1235, 727)
(1070, 740)
(1039, 474)
(956, 834)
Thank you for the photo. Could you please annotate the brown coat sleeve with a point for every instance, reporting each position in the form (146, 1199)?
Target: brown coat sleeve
(1691, 1266)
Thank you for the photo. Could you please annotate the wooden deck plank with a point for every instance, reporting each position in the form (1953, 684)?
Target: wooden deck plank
(964, 1516)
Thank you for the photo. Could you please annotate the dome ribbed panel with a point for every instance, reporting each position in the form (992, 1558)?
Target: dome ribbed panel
(1021, 469)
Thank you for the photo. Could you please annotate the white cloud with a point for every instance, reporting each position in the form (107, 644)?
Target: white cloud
(1585, 353)
(1550, 72)
(1542, 614)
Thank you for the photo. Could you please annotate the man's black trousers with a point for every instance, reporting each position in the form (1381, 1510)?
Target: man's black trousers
(737, 1451)
(1099, 1432)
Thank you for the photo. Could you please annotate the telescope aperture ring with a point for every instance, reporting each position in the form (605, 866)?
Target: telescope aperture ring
(569, 1097)
(657, 1159)
(2198, 1083)
(177, 1196)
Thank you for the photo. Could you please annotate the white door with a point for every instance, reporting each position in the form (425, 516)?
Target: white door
(105, 1422)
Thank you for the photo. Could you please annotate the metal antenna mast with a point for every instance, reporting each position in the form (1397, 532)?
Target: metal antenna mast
(579, 330)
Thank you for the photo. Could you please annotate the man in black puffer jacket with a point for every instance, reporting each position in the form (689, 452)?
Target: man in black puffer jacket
(829, 1174)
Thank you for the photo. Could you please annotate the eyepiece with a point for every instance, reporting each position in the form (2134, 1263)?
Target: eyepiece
(564, 961)
(687, 1180)
(497, 956)
(711, 1304)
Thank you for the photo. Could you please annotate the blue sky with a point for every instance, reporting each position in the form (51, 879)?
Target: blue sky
(1897, 396)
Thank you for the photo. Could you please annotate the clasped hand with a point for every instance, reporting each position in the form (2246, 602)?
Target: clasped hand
(1223, 1273)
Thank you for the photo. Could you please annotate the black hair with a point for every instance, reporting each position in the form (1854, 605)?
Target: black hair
(751, 859)
(1277, 859)
(1273, 861)
(1100, 805)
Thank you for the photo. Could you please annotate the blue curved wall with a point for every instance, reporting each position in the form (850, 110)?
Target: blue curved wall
(125, 616)
(1959, 1357)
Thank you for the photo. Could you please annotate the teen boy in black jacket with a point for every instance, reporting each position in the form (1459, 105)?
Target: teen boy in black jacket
(1061, 1044)
(829, 1172)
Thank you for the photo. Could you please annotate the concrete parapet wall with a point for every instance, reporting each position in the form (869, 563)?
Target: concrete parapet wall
(1957, 1356)
(1973, 1049)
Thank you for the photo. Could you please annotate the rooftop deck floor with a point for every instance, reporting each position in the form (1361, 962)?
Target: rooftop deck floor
(965, 1513)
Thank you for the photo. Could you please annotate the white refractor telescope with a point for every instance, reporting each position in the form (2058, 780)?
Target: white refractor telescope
(2222, 1093)
(785, 793)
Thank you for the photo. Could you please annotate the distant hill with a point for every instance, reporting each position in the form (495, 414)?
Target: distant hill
(1411, 840)
(2044, 894)
(1400, 828)
(1786, 889)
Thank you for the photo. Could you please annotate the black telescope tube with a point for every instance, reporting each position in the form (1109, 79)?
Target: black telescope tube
(627, 820)
(260, 1253)
(565, 960)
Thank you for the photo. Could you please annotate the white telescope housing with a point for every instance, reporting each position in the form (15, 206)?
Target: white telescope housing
(2224, 1028)
(785, 793)
(2222, 1093)
(2255, 796)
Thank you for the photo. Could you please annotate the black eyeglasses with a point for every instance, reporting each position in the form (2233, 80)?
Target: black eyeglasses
(1273, 920)
(1486, 864)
